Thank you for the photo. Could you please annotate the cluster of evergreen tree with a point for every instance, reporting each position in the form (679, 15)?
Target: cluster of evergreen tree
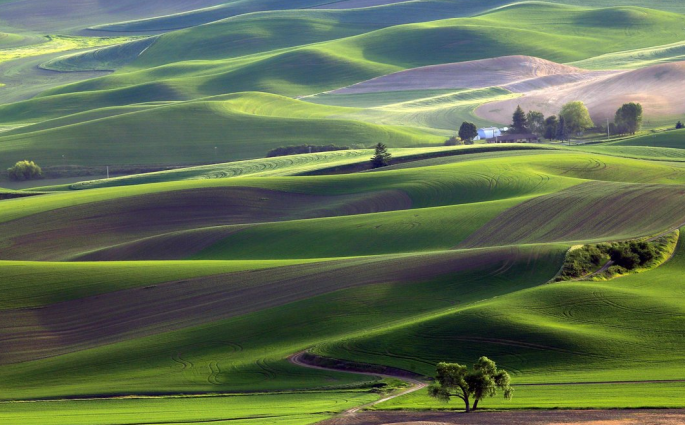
(574, 118)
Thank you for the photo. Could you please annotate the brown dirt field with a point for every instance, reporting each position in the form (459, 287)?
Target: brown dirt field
(556, 417)
(590, 211)
(517, 72)
(31, 334)
(69, 232)
(658, 88)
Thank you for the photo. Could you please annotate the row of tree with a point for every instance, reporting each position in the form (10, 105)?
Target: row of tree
(574, 118)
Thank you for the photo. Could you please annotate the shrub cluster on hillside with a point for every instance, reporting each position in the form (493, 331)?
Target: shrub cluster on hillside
(624, 256)
(296, 150)
(581, 262)
(25, 170)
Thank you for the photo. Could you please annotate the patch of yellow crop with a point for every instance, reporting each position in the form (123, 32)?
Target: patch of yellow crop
(60, 43)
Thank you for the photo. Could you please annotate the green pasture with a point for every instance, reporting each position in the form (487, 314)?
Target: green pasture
(301, 70)
(57, 43)
(70, 281)
(228, 355)
(197, 132)
(585, 396)
(304, 164)
(178, 296)
(624, 330)
(671, 139)
(280, 409)
(669, 154)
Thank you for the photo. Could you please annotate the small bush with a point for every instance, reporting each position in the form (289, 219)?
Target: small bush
(25, 170)
(453, 141)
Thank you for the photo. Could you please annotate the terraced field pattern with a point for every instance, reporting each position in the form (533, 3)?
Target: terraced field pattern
(167, 271)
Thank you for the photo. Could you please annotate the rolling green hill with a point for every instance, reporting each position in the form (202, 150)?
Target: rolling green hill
(671, 139)
(230, 128)
(179, 296)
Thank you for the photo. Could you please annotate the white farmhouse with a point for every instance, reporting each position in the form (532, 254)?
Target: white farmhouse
(489, 133)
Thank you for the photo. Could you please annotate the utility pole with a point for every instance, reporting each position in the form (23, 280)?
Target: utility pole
(608, 131)
(108, 172)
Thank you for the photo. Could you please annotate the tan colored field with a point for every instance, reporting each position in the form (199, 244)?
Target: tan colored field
(561, 417)
(658, 88)
(516, 73)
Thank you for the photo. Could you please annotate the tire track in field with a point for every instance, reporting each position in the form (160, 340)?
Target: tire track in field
(415, 384)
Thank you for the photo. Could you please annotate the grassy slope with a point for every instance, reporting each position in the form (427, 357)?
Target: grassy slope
(243, 409)
(418, 297)
(254, 360)
(482, 180)
(290, 165)
(638, 152)
(629, 329)
(240, 127)
(311, 69)
(69, 281)
(433, 112)
(381, 16)
(634, 318)
(671, 139)
(315, 68)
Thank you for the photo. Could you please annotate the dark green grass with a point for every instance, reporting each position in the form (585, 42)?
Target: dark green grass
(624, 330)
(588, 396)
(242, 409)
(194, 133)
(250, 350)
(672, 139)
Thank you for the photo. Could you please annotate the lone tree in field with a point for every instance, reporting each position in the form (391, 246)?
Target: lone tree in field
(467, 132)
(551, 127)
(679, 125)
(455, 380)
(25, 170)
(381, 157)
(576, 117)
(536, 123)
(519, 123)
(629, 118)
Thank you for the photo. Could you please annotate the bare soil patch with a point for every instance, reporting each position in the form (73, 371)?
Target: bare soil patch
(658, 88)
(517, 73)
(556, 417)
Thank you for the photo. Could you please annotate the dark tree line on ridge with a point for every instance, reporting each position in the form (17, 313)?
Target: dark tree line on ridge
(574, 118)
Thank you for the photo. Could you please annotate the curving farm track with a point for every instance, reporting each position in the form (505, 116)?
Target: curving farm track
(415, 384)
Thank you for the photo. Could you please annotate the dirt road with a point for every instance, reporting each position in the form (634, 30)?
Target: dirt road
(415, 384)
(552, 417)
